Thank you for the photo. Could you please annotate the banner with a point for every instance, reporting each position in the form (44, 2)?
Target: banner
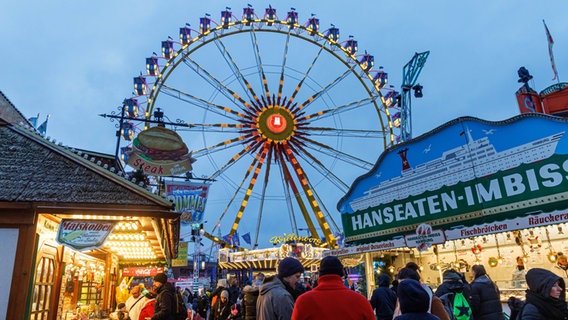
(189, 199)
(466, 172)
(84, 235)
(141, 272)
(181, 260)
(160, 152)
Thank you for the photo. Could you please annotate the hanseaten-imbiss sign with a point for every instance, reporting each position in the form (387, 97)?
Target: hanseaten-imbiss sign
(465, 172)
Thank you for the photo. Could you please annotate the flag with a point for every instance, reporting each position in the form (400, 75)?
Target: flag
(550, 43)
(246, 237)
(228, 239)
(236, 240)
(33, 120)
(43, 127)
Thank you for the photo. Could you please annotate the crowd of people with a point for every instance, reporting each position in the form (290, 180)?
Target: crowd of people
(284, 296)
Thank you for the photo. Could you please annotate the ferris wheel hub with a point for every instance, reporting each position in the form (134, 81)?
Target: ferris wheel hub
(276, 123)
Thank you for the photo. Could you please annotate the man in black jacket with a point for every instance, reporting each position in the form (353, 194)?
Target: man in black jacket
(164, 309)
(383, 299)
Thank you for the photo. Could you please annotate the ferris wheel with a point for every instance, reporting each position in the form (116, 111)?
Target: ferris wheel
(281, 114)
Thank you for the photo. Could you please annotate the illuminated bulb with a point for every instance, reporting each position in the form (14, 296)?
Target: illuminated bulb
(500, 260)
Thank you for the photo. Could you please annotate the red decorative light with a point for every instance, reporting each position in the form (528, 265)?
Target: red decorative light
(276, 123)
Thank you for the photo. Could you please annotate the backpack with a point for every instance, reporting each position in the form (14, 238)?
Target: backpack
(516, 306)
(456, 306)
(180, 309)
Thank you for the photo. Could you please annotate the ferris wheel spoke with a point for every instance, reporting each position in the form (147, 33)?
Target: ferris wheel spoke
(218, 85)
(328, 216)
(249, 148)
(237, 190)
(263, 195)
(332, 84)
(249, 189)
(304, 181)
(320, 167)
(338, 154)
(284, 59)
(211, 127)
(203, 104)
(289, 181)
(339, 110)
(219, 146)
(347, 133)
(299, 86)
(251, 94)
(263, 80)
(288, 200)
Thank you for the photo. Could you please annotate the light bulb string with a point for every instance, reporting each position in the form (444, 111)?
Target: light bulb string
(548, 240)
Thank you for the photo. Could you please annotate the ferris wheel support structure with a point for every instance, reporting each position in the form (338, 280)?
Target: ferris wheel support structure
(410, 74)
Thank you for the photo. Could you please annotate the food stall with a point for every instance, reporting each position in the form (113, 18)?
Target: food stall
(70, 220)
(462, 194)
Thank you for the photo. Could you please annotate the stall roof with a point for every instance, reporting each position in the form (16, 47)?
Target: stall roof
(49, 178)
(37, 170)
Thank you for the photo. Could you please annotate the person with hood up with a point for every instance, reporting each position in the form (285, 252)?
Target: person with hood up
(545, 297)
(485, 300)
(331, 299)
(222, 307)
(414, 301)
(275, 300)
(383, 299)
(453, 282)
(435, 305)
(164, 308)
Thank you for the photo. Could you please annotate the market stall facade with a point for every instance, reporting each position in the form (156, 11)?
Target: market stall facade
(70, 222)
(448, 196)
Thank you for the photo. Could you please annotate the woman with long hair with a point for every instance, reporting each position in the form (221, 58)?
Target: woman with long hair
(485, 301)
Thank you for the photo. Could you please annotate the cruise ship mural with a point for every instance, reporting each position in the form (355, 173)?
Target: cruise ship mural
(463, 172)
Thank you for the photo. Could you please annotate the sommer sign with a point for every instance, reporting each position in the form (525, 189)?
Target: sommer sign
(84, 234)
(189, 199)
(464, 173)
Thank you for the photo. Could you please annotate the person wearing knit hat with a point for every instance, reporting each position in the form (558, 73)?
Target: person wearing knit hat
(331, 265)
(414, 301)
(164, 307)
(436, 306)
(275, 300)
(289, 266)
(222, 308)
(331, 299)
(453, 283)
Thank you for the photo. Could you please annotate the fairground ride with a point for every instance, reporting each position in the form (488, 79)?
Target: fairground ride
(283, 115)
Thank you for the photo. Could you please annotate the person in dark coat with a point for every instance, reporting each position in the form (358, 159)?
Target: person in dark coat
(222, 308)
(453, 282)
(485, 300)
(202, 304)
(546, 296)
(164, 308)
(414, 301)
(234, 291)
(383, 299)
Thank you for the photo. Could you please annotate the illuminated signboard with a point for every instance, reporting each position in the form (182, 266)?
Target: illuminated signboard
(84, 235)
(464, 173)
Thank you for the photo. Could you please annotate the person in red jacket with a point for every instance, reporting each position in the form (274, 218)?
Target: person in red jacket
(331, 299)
